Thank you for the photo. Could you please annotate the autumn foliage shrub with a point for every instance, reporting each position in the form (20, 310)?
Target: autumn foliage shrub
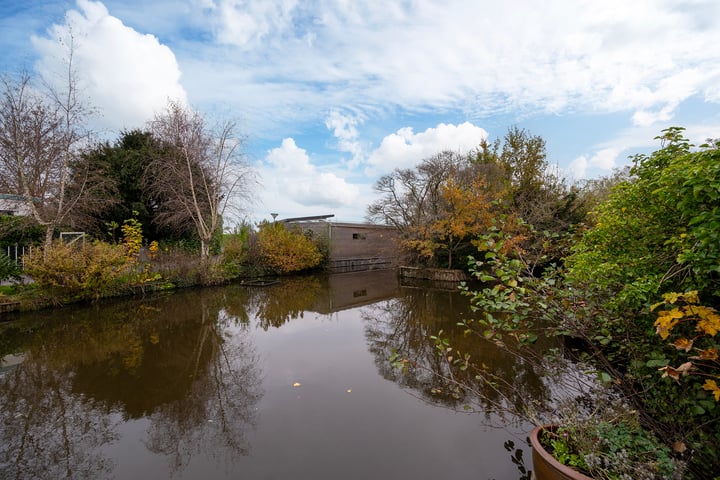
(464, 212)
(74, 272)
(132, 236)
(285, 251)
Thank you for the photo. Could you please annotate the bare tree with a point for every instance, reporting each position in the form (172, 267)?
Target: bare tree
(414, 201)
(411, 197)
(41, 139)
(200, 173)
(31, 134)
(26, 127)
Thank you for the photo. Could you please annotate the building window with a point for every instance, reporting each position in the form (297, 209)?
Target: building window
(358, 236)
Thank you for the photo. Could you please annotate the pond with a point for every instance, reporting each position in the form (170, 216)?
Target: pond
(289, 381)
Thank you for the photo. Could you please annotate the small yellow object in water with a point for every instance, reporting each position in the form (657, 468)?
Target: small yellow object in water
(349, 390)
(296, 384)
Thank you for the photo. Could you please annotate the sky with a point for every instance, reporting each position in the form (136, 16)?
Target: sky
(329, 95)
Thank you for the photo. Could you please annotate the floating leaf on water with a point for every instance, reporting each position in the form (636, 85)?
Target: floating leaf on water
(679, 446)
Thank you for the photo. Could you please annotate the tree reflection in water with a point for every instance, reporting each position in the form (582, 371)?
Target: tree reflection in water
(503, 383)
(47, 432)
(183, 362)
(275, 305)
(213, 415)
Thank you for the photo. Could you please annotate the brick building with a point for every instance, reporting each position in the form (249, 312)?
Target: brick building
(352, 246)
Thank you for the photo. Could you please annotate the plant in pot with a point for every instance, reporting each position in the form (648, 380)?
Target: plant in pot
(599, 437)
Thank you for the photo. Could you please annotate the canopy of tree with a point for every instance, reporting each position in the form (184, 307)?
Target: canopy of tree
(442, 205)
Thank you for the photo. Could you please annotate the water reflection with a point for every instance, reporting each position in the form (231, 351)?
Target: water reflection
(516, 456)
(47, 432)
(170, 360)
(202, 380)
(503, 383)
(288, 300)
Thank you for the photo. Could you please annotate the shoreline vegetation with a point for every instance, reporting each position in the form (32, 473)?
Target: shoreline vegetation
(89, 271)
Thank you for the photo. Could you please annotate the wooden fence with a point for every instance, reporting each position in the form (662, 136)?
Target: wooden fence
(16, 252)
(435, 274)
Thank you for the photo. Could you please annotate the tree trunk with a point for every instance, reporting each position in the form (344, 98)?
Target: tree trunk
(204, 250)
(49, 229)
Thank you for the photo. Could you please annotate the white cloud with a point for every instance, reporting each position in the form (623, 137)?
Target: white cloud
(128, 76)
(601, 163)
(292, 177)
(290, 159)
(577, 169)
(344, 129)
(243, 23)
(481, 57)
(405, 148)
(281, 62)
(605, 159)
(644, 118)
(292, 183)
(712, 94)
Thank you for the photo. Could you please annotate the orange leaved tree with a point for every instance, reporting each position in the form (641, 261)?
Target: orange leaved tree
(465, 210)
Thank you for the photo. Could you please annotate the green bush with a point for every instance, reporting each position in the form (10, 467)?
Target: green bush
(235, 251)
(20, 230)
(234, 254)
(658, 232)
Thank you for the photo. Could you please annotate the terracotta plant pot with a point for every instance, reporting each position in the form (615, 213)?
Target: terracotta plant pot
(545, 466)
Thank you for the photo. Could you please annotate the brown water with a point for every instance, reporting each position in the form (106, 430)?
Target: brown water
(290, 381)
